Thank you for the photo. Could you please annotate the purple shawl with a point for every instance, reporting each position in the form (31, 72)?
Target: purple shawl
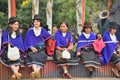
(18, 41)
(109, 48)
(83, 41)
(31, 39)
(63, 41)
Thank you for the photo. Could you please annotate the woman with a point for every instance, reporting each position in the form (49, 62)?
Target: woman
(54, 30)
(64, 41)
(85, 49)
(35, 46)
(109, 52)
(115, 15)
(13, 37)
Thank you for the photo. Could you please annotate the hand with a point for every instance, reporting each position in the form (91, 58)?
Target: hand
(34, 50)
(62, 49)
(78, 54)
(67, 49)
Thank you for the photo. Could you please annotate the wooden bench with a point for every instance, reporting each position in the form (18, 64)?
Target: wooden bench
(52, 71)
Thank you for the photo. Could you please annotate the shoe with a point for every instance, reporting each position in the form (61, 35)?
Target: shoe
(90, 74)
(13, 77)
(115, 71)
(68, 75)
(33, 75)
(37, 75)
(18, 76)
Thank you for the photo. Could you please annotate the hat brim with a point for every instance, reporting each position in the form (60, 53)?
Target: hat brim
(103, 17)
(87, 26)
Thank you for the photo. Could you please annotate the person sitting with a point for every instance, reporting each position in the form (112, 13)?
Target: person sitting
(109, 52)
(86, 50)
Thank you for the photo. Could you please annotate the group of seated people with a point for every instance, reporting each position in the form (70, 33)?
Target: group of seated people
(93, 50)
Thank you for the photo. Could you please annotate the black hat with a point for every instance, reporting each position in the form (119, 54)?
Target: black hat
(37, 17)
(87, 24)
(113, 25)
(13, 19)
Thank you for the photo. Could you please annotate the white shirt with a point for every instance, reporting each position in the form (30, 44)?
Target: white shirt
(64, 34)
(13, 35)
(113, 38)
(86, 35)
(37, 32)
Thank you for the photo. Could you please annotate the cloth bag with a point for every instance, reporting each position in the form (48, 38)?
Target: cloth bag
(13, 52)
(50, 46)
(98, 46)
(62, 55)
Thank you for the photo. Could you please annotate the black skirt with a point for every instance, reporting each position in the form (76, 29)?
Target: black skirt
(7, 62)
(90, 57)
(115, 59)
(39, 58)
(74, 60)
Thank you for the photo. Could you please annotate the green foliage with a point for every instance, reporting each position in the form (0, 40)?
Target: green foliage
(63, 10)
(93, 7)
(25, 13)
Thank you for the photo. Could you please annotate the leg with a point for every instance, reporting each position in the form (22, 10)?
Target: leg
(66, 74)
(115, 59)
(118, 67)
(90, 69)
(116, 70)
(15, 69)
(36, 72)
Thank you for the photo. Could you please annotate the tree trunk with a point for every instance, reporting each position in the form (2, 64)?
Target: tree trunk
(35, 7)
(80, 14)
(49, 14)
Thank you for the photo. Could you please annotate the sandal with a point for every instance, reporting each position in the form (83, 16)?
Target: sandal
(13, 77)
(37, 74)
(33, 75)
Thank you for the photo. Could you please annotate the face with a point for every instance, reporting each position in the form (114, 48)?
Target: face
(87, 30)
(36, 23)
(63, 27)
(113, 31)
(14, 26)
(54, 30)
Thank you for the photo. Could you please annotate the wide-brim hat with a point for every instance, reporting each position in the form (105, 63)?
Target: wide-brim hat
(37, 17)
(104, 14)
(113, 25)
(87, 24)
(13, 19)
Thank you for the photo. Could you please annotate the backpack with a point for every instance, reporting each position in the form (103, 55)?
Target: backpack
(50, 46)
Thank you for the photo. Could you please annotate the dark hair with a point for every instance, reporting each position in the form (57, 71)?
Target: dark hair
(24, 27)
(41, 23)
(64, 23)
(9, 29)
(46, 27)
(87, 25)
(83, 30)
